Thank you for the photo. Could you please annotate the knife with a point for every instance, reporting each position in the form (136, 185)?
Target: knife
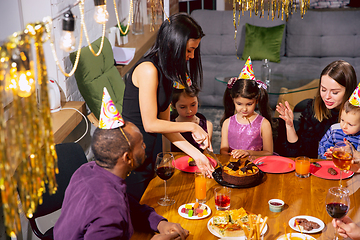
(207, 151)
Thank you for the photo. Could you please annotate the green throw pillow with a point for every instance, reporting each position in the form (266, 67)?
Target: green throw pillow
(263, 42)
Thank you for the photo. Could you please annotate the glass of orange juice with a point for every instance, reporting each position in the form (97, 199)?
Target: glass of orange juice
(302, 167)
(200, 187)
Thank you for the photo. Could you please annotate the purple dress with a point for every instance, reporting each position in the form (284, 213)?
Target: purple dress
(96, 206)
(245, 136)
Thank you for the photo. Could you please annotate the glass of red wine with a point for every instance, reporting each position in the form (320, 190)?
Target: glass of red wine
(164, 168)
(337, 204)
(342, 154)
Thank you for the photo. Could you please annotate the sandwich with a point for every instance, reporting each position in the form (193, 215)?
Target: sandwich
(226, 223)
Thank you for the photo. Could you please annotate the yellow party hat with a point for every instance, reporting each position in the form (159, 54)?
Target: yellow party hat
(247, 72)
(178, 85)
(110, 117)
(355, 97)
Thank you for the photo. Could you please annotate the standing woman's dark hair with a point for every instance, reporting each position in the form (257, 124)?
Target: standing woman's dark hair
(249, 89)
(344, 74)
(176, 32)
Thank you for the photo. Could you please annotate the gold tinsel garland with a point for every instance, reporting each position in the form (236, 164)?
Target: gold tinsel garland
(28, 160)
(283, 7)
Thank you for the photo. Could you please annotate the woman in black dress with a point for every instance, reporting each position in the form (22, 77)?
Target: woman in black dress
(148, 93)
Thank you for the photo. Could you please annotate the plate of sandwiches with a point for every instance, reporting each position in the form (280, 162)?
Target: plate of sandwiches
(236, 224)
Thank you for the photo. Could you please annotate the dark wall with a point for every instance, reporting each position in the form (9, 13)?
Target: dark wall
(196, 4)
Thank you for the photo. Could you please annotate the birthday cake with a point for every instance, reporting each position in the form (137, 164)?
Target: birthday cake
(240, 172)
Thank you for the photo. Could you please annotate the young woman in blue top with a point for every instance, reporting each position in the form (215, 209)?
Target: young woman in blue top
(148, 94)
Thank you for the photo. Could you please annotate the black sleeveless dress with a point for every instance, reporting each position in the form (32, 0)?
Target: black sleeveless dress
(188, 135)
(138, 180)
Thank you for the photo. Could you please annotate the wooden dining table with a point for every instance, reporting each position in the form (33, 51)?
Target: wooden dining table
(302, 196)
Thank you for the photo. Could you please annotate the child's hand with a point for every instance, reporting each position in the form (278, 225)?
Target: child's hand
(239, 153)
(328, 153)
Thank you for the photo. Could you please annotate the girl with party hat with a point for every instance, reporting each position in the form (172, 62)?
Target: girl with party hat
(185, 102)
(246, 132)
(347, 129)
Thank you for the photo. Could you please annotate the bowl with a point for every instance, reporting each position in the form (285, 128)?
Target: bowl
(276, 205)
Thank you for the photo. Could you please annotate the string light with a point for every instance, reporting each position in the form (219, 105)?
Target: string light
(101, 15)
(67, 40)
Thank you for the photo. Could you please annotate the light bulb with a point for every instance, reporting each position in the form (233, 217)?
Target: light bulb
(26, 84)
(101, 15)
(67, 41)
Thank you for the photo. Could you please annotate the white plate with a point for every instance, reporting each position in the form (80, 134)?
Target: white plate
(309, 218)
(302, 236)
(232, 238)
(194, 217)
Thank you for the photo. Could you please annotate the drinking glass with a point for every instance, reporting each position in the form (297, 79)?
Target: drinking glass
(222, 196)
(200, 187)
(337, 204)
(164, 168)
(302, 167)
(342, 155)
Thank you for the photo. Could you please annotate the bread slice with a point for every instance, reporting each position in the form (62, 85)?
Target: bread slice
(238, 215)
(228, 230)
(221, 217)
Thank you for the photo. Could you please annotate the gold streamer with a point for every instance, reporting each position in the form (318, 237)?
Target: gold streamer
(283, 7)
(26, 138)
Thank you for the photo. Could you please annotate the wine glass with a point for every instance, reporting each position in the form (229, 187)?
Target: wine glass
(342, 154)
(337, 204)
(164, 168)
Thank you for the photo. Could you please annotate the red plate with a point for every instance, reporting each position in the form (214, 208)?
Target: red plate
(276, 164)
(183, 165)
(322, 172)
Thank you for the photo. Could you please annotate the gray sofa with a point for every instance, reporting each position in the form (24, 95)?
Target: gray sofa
(308, 45)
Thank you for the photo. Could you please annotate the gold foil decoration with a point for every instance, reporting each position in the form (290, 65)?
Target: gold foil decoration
(156, 7)
(28, 160)
(283, 7)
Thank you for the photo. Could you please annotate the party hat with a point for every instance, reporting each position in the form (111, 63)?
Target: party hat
(247, 72)
(355, 97)
(178, 85)
(109, 116)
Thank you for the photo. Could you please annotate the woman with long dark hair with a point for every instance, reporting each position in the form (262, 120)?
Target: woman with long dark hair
(337, 82)
(174, 58)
